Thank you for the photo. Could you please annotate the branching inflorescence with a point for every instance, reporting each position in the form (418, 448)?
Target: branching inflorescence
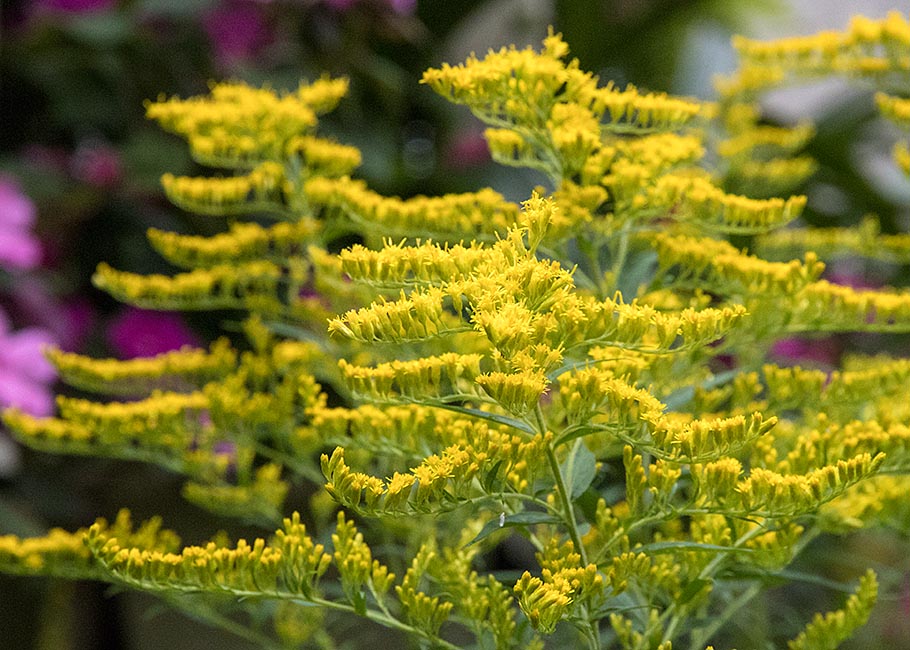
(588, 369)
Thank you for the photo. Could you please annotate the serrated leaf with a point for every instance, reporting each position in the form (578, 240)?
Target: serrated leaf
(525, 518)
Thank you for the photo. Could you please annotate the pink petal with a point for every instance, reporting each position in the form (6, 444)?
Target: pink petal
(15, 390)
(18, 248)
(145, 333)
(16, 210)
(22, 353)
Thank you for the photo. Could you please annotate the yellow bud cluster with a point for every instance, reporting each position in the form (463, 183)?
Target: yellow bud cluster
(260, 500)
(699, 441)
(868, 48)
(825, 307)
(517, 393)
(251, 284)
(430, 377)
(544, 603)
(245, 569)
(356, 565)
(418, 315)
(475, 213)
(626, 567)
(514, 85)
(768, 494)
(595, 395)
(58, 550)
(262, 188)
(641, 327)
(47, 433)
(324, 94)
(186, 368)
(710, 208)
(163, 419)
(304, 561)
(510, 147)
(63, 553)
(425, 263)
(575, 134)
(766, 142)
(440, 480)
(242, 243)
(237, 125)
(323, 157)
(642, 111)
(722, 268)
(426, 613)
(829, 630)
(717, 481)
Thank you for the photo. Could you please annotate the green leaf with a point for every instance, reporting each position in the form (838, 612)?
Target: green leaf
(525, 518)
(579, 469)
(492, 417)
(490, 476)
(671, 546)
(692, 589)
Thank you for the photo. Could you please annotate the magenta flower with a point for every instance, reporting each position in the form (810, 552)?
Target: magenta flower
(19, 249)
(144, 333)
(816, 352)
(25, 375)
(468, 149)
(76, 6)
(237, 30)
(96, 163)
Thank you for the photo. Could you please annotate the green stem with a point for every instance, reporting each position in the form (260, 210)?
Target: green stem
(376, 616)
(674, 613)
(701, 637)
(214, 618)
(562, 491)
(622, 252)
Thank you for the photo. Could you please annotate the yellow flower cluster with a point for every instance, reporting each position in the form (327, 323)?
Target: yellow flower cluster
(440, 480)
(188, 367)
(263, 188)
(868, 48)
(242, 242)
(239, 126)
(563, 588)
(248, 285)
(478, 214)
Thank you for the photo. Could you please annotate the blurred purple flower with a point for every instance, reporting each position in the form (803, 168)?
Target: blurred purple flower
(25, 375)
(69, 320)
(19, 249)
(468, 149)
(237, 30)
(822, 352)
(96, 163)
(405, 7)
(76, 6)
(341, 5)
(145, 333)
(402, 7)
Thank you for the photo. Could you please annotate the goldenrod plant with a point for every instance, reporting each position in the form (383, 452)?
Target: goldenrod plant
(587, 372)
